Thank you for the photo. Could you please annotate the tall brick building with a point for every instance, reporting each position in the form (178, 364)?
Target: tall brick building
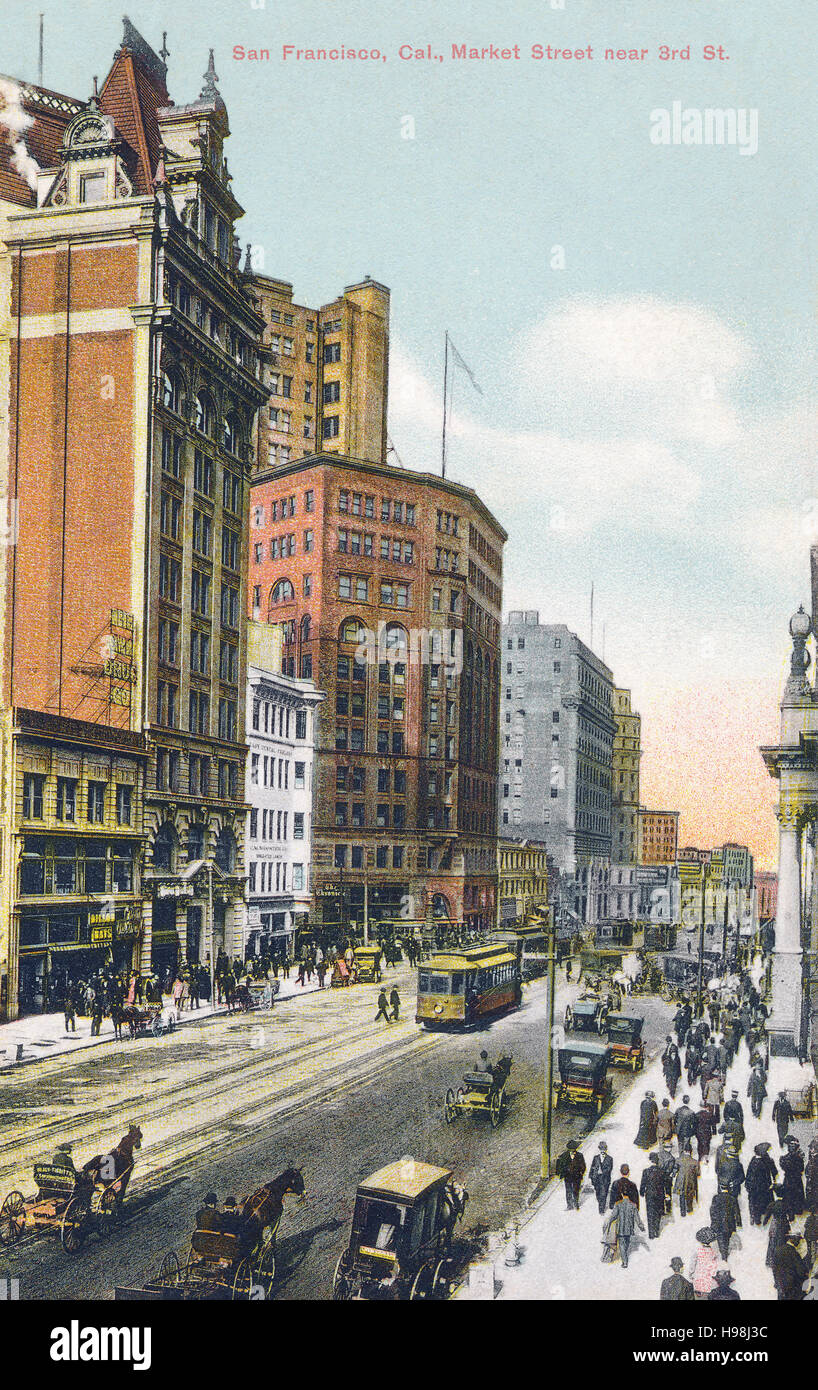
(387, 587)
(130, 370)
(626, 759)
(327, 374)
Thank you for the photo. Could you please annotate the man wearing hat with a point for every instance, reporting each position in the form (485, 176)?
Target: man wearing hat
(667, 1167)
(723, 1290)
(723, 1218)
(790, 1269)
(671, 1066)
(570, 1166)
(600, 1175)
(782, 1116)
(62, 1158)
(792, 1166)
(676, 1289)
(687, 1181)
(652, 1188)
(684, 1122)
(761, 1175)
(733, 1114)
(208, 1218)
(756, 1091)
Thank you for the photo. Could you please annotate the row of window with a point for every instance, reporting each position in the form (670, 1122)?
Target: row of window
(67, 799)
(355, 543)
(352, 856)
(169, 770)
(67, 866)
(267, 877)
(393, 593)
(274, 824)
(484, 550)
(354, 778)
(352, 739)
(263, 772)
(170, 588)
(385, 815)
(206, 318)
(167, 711)
(363, 504)
(228, 432)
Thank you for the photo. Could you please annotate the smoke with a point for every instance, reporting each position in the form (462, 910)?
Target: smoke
(16, 122)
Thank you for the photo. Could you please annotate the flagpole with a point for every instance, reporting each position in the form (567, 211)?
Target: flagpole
(445, 390)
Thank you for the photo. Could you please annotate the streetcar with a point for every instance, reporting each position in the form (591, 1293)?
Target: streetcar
(529, 941)
(461, 988)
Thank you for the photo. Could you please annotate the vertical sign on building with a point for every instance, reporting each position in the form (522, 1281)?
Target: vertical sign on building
(119, 665)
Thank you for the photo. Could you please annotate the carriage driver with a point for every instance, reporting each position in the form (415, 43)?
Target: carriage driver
(483, 1064)
(62, 1158)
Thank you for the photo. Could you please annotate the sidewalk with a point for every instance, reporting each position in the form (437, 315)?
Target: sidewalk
(561, 1249)
(37, 1036)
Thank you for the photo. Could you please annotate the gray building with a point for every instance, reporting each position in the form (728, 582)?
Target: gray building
(557, 731)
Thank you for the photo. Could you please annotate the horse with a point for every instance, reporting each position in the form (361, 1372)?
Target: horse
(263, 1209)
(114, 1168)
(453, 1209)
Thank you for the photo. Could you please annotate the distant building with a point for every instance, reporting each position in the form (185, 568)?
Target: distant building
(523, 878)
(658, 836)
(327, 374)
(627, 755)
(766, 886)
(557, 731)
(281, 735)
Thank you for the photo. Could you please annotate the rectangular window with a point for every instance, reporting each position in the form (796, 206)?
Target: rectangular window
(381, 855)
(200, 592)
(230, 548)
(309, 500)
(308, 541)
(96, 802)
(332, 352)
(124, 804)
(299, 776)
(330, 427)
(331, 392)
(33, 788)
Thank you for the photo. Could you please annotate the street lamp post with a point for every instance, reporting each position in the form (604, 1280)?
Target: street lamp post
(211, 933)
(699, 1007)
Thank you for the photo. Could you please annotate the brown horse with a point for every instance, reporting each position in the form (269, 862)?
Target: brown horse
(115, 1167)
(265, 1207)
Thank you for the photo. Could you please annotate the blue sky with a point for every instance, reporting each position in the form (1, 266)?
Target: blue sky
(648, 410)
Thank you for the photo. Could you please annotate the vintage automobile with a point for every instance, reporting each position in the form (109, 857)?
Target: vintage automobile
(587, 1015)
(625, 1041)
(482, 1093)
(583, 1078)
(368, 959)
(400, 1246)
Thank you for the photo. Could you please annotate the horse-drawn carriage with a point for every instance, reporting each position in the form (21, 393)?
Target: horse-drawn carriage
(148, 1018)
(583, 1078)
(625, 1041)
(232, 1251)
(74, 1202)
(482, 1093)
(256, 994)
(400, 1246)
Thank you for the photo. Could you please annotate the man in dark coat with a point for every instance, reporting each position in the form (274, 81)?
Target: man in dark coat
(623, 1187)
(648, 1112)
(600, 1175)
(681, 1021)
(782, 1116)
(652, 1188)
(693, 1060)
(761, 1176)
(723, 1219)
(730, 1173)
(684, 1123)
(671, 1066)
(811, 1177)
(756, 1091)
(733, 1110)
(394, 1000)
(792, 1167)
(723, 1291)
(776, 1217)
(676, 1289)
(790, 1269)
(704, 1131)
(570, 1166)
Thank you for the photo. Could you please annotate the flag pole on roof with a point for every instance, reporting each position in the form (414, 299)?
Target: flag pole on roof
(457, 361)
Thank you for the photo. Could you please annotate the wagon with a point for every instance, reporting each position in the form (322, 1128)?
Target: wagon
(400, 1246)
(625, 1041)
(368, 960)
(587, 1015)
(152, 1018)
(583, 1076)
(74, 1202)
(257, 994)
(481, 1093)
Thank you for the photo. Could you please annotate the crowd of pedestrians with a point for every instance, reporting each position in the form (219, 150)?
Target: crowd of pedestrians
(705, 1132)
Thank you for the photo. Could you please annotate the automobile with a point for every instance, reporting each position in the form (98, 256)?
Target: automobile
(587, 1015)
(583, 1078)
(625, 1041)
(400, 1245)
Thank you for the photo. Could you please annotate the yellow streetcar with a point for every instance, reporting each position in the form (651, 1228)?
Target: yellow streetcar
(459, 988)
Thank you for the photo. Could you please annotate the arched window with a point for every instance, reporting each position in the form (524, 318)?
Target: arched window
(397, 642)
(173, 395)
(205, 414)
(306, 625)
(352, 630)
(231, 435)
(164, 848)
(225, 856)
(282, 592)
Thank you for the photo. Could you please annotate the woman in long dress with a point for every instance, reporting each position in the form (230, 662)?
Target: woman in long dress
(648, 1114)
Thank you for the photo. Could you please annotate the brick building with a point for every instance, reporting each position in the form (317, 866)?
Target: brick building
(387, 588)
(658, 836)
(327, 374)
(626, 759)
(128, 358)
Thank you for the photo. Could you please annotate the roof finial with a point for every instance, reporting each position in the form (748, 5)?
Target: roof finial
(210, 91)
(94, 96)
(247, 268)
(164, 52)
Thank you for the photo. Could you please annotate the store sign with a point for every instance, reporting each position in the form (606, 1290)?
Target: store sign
(328, 890)
(124, 925)
(118, 665)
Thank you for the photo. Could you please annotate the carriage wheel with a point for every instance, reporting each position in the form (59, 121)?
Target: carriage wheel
(340, 1287)
(449, 1107)
(74, 1225)
(12, 1218)
(242, 1283)
(495, 1109)
(569, 1016)
(422, 1283)
(156, 1026)
(169, 1270)
(265, 1270)
(107, 1212)
(440, 1283)
(459, 1099)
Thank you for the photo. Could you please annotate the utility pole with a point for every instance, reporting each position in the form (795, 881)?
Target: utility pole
(40, 58)
(366, 909)
(548, 1088)
(211, 933)
(699, 1007)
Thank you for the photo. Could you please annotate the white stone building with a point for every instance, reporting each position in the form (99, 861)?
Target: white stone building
(281, 737)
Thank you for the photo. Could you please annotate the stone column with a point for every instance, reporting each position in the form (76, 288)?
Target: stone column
(785, 1017)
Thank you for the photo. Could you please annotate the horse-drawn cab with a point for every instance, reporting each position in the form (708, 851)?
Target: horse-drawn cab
(588, 1014)
(400, 1244)
(625, 1041)
(583, 1076)
(482, 1092)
